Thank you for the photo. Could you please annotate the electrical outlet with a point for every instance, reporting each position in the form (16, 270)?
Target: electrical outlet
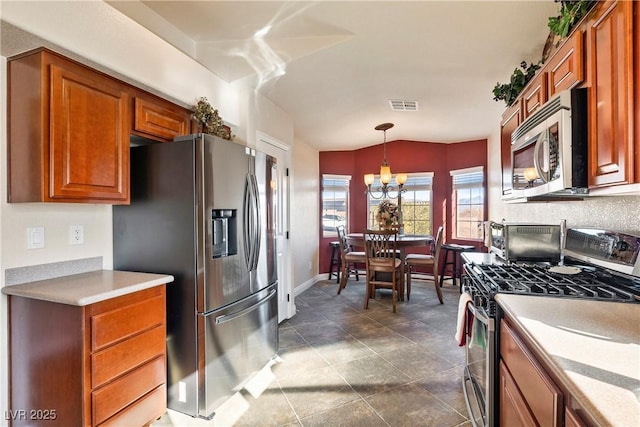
(35, 237)
(76, 234)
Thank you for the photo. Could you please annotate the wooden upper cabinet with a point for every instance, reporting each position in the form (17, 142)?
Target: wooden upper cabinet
(534, 95)
(157, 119)
(636, 66)
(610, 75)
(566, 68)
(511, 119)
(68, 138)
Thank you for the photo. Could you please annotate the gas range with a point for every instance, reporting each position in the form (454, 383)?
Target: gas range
(598, 264)
(547, 280)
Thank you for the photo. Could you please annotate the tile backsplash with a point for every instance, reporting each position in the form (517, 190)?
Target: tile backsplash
(32, 273)
(615, 213)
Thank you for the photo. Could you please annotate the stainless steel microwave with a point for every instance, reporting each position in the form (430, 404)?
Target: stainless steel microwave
(549, 149)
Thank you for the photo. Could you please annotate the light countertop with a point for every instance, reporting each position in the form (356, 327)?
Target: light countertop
(481, 258)
(593, 347)
(87, 288)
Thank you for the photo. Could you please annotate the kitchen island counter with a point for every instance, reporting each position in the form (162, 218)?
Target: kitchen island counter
(591, 347)
(87, 288)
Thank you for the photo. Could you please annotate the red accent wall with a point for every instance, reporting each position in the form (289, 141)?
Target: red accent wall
(403, 156)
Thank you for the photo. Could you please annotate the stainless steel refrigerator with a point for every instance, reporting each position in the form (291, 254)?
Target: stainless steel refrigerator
(202, 210)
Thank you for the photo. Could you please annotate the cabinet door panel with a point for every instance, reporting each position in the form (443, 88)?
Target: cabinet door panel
(514, 411)
(542, 395)
(160, 121)
(89, 138)
(534, 95)
(611, 95)
(566, 68)
(511, 119)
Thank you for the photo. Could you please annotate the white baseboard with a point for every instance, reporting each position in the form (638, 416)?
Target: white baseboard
(309, 283)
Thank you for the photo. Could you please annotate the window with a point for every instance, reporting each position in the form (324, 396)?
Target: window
(335, 203)
(416, 204)
(468, 202)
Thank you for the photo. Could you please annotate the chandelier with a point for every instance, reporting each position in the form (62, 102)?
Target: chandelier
(385, 190)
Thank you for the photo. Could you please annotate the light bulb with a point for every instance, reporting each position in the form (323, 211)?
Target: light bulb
(385, 174)
(368, 179)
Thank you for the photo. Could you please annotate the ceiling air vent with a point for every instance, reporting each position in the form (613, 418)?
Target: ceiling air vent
(403, 105)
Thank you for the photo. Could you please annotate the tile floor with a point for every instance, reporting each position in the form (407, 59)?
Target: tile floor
(341, 365)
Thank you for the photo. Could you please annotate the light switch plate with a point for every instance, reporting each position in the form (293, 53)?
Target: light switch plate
(35, 237)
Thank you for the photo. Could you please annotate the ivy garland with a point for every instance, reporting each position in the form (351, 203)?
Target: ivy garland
(508, 92)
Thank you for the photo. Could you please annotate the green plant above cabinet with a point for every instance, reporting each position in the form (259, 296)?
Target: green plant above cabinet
(508, 92)
(569, 14)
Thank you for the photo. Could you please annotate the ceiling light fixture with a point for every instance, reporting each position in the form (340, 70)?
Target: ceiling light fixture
(385, 191)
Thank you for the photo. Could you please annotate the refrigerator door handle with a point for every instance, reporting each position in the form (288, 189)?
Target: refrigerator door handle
(257, 225)
(252, 226)
(246, 218)
(229, 317)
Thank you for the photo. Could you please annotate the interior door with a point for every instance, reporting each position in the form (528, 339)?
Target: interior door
(280, 178)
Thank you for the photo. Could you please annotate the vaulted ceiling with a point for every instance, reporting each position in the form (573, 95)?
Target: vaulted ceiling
(334, 66)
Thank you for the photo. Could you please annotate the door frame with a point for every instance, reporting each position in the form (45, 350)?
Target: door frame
(282, 153)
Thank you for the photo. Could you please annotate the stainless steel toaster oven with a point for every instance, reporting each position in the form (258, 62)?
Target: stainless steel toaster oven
(526, 241)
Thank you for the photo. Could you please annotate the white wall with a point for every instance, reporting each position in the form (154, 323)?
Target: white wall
(133, 54)
(614, 212)
(304, 212)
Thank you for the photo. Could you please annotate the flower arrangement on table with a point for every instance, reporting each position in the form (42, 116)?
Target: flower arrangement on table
(387, 214)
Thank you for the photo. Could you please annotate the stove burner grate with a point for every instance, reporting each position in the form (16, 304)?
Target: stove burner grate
(538, 280)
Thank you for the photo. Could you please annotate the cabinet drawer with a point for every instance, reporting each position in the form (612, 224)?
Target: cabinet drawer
(142, 412)
(156, 120)
(540, 393)
(115, 396)
(115, 325)
(107, 364)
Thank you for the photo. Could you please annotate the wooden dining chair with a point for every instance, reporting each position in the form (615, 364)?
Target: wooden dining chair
(380, 254)
(348, 259)
(425, 260)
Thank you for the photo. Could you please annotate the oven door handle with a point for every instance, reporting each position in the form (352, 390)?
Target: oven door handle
(479, 313)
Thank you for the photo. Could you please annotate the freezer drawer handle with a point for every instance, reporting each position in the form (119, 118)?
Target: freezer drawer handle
(232, 316)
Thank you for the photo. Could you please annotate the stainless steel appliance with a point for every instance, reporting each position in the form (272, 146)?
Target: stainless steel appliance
(600, 265)
(201, 209)
(515, 242)
(549, 149)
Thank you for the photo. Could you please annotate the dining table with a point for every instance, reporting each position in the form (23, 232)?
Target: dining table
(403, 241)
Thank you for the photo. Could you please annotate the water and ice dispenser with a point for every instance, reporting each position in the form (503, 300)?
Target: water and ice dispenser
(225, 232)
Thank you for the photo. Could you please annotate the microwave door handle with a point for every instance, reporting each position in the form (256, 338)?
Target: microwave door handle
(542, 140)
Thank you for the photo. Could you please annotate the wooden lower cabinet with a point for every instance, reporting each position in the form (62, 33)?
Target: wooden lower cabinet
(102, 364)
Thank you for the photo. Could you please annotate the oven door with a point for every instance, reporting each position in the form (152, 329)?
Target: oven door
(478, 382)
